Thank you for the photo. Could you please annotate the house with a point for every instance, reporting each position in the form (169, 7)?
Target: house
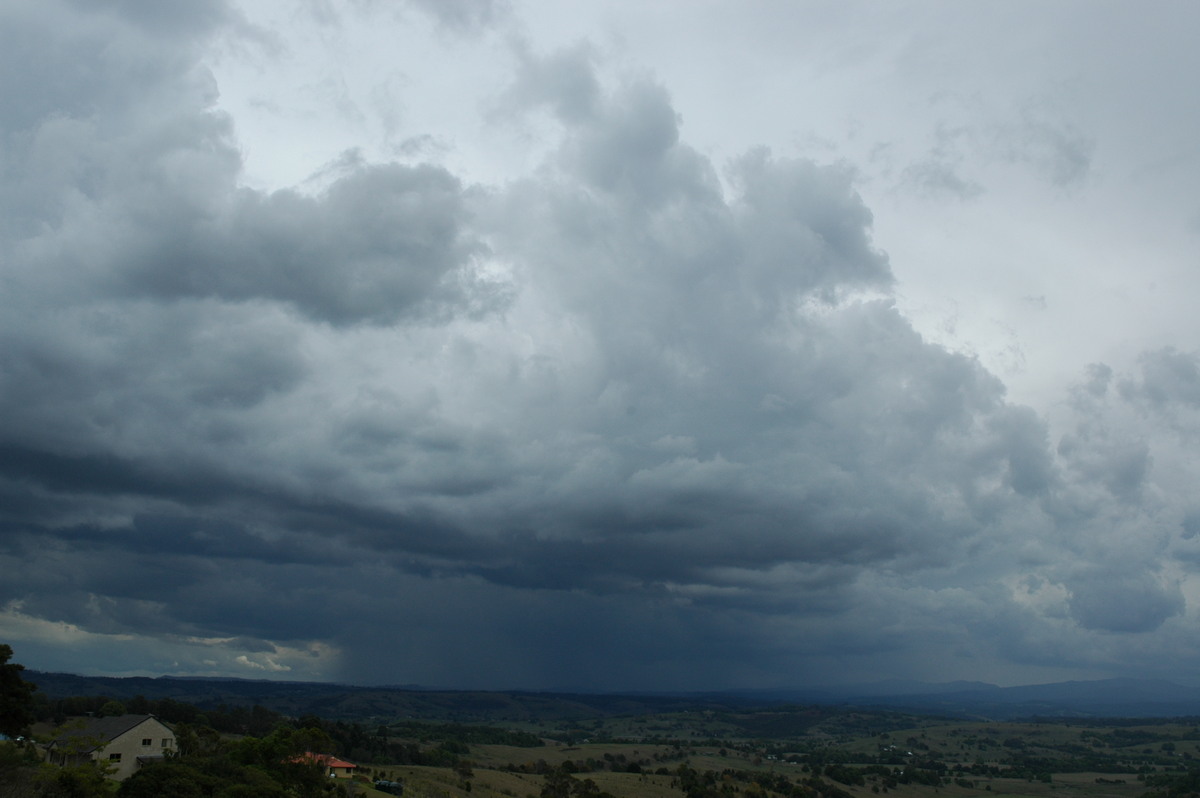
(334, 767)
(125, 742)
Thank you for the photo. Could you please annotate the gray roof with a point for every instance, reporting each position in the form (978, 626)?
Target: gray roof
(100, 731)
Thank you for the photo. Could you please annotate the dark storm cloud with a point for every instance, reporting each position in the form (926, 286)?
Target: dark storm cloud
(1117, 460)
(138, 178)
(68, 60)
(381, 244)
(627, 421)
(1119, 601)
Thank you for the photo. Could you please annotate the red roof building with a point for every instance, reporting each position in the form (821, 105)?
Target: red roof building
(334, 767)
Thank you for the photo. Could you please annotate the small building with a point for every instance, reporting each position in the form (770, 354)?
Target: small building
(333, 767)
(125, 742)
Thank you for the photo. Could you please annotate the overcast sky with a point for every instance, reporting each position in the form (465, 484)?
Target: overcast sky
(605, 345)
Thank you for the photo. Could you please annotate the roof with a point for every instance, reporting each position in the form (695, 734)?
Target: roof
(101, 731)
(325, 760)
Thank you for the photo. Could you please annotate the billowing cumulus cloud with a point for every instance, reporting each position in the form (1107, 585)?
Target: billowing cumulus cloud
(637, 418)
(380, 244)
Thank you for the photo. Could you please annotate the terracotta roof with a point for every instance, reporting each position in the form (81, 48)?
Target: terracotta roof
(324, 759)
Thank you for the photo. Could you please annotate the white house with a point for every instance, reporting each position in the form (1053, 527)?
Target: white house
(125, 742)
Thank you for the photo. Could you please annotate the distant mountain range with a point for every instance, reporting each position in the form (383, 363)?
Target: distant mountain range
(1125, 697)
(349, 702)
(1083, 699)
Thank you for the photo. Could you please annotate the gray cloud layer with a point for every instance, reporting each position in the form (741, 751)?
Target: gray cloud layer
(631, 421)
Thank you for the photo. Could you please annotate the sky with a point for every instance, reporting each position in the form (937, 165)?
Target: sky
(600, 346)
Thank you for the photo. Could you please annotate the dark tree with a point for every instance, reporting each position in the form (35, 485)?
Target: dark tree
(111, 709)
(16, 696)
(558, 784)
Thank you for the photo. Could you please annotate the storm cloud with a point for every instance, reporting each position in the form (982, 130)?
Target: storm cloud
(638, 418)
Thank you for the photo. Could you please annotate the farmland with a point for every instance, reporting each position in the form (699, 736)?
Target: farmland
(814, 752)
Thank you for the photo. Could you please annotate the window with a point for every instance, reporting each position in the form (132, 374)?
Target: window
(166, 742)
(114, 757)
(146, 741)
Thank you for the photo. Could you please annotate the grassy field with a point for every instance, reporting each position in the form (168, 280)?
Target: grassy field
(819, 755)
(427, 782)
